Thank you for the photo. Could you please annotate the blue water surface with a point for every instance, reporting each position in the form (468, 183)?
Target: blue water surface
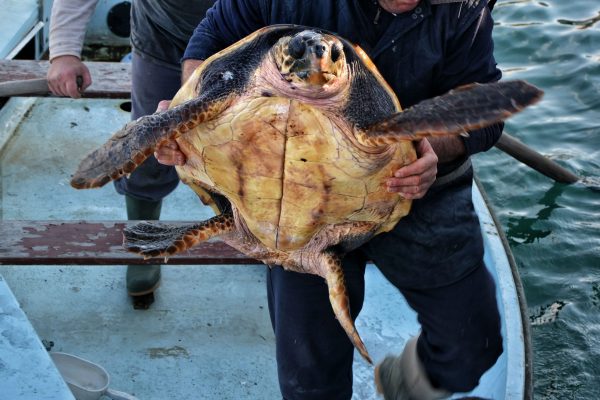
(553, 228)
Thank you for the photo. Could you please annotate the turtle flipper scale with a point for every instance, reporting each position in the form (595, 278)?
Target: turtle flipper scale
(153, 239)
(138, 139)
(463, 109)
(340, 303)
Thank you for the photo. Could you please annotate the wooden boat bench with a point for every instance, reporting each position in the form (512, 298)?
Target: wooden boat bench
(111, 80)
(93, 243)
(69, 243)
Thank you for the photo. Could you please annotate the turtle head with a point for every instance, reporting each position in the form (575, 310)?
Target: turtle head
(310, 57)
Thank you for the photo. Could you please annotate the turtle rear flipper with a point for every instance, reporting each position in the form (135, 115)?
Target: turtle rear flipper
(340, 303)
(466, 108)
(154, 239)
(137, 140)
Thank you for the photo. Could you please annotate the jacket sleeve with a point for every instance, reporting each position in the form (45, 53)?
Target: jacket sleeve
(225, 23)
(68, 23)
(470, 59)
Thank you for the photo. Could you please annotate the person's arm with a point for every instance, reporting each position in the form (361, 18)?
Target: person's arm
(469, 59)
(224, 24)
(68, 23)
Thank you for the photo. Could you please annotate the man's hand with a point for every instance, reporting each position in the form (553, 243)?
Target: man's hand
(62, 76)
(188, 67)
(168, 152)
(413, 180)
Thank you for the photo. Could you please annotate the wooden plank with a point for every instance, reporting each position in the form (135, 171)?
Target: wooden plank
(93, 243)
(109, 79)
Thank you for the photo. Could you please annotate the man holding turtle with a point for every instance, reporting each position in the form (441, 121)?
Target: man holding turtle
(434, 256)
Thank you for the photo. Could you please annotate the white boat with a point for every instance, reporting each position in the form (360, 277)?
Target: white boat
(208, 335)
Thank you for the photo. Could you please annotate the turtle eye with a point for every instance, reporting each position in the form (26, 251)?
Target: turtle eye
(336, 52)
(297, 47)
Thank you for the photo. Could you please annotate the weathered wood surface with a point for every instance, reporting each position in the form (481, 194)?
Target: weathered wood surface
(109, 79)
(528, 156)
(92, 243)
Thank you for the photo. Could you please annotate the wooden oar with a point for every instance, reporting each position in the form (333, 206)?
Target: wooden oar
(28, 77)
(25, 87)
(525, 154)
(29, 87)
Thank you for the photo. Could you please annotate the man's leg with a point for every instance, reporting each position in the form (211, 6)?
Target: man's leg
(142, 279)
(460, 340)
(151, 181)
(314, 354)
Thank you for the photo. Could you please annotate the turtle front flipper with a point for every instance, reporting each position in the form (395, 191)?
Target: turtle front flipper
(466, 108)
(137, 140)
(153, 239)
(340, 303)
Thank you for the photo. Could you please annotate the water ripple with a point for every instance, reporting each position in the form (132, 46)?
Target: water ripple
(580, 24)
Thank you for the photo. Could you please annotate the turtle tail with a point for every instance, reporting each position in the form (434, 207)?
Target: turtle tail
(466, 108)
(340, 303)
(137, 140)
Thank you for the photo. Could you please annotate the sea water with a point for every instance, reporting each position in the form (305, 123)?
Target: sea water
(553, 228)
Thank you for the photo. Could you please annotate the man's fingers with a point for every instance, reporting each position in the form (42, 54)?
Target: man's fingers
(427, 161)
(163, 105)
(413, 180)
(72, 89)
(411, 187)
(167, 158)
(171, 144)
(87, 79)
(168, 153)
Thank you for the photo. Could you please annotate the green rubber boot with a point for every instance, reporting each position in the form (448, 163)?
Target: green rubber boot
(142, 279)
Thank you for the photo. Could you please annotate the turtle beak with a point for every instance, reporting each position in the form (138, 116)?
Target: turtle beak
(317, 73)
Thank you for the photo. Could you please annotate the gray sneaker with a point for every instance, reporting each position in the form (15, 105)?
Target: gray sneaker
(404, 378)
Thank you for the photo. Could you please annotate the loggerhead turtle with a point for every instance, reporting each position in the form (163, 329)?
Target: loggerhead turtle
(297, 129)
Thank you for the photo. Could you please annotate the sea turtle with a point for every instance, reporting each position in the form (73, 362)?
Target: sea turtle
(297, 129)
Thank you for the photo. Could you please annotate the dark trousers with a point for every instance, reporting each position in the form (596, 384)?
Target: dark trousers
(460, 337)
(150, 83)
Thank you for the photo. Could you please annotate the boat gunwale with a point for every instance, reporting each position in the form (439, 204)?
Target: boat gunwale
(520, 292)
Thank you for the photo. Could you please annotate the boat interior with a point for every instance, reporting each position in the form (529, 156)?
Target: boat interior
(208, 334)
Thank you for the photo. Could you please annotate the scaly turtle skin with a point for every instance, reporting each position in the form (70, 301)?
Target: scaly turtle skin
(297, 129)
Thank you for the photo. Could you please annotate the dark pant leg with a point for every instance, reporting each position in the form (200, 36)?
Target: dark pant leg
(460, 337)
(150, 84)
(314, 354)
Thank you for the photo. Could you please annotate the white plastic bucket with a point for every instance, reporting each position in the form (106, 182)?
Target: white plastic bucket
(87, 381)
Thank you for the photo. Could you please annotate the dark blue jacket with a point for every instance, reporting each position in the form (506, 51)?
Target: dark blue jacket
(421, 54)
